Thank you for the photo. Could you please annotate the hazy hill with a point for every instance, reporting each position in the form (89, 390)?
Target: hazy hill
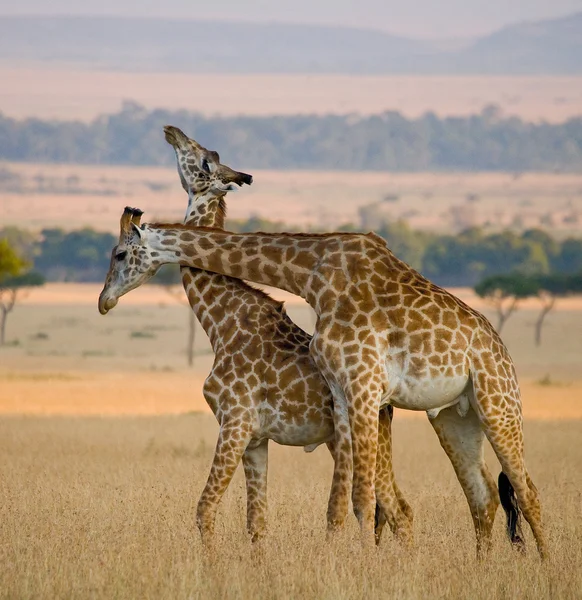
(530, 48)
(552, 47)
(198, 46)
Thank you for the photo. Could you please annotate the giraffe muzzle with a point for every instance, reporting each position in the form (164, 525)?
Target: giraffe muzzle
(106, 304)
(244, 178)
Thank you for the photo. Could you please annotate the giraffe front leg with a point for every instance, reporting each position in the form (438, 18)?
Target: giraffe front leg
(341, 451)
(356, 381)
(391, 506)
(255, 462)
(232, 442)
(363, 407)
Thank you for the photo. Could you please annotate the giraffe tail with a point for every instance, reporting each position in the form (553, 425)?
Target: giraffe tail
(512, 511)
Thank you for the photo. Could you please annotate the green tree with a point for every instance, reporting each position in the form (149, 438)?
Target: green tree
(12, 289)
(548, 289)
(22, 241)
(11, 264)
(505, 292)
(408, 245)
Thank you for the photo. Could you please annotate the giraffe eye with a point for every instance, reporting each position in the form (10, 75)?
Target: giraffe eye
(121, 255)
(205, 166)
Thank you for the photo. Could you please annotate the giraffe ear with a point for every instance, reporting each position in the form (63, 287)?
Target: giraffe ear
(138, 231)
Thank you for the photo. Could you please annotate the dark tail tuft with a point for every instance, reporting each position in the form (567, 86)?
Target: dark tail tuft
(512, 511)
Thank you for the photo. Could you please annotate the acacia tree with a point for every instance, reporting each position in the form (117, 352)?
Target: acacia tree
(12, 282)
(549, 289)
(504, 293)
(11, 265)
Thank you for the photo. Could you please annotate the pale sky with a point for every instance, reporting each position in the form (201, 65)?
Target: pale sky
(420, 18)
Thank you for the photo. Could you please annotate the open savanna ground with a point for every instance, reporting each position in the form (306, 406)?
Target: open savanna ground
(72, 196)
(76, 93)
(106, 442)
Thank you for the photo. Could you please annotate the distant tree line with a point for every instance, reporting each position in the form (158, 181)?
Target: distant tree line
(80, 255)
(505, 268)
(482, 142)
(463, 259)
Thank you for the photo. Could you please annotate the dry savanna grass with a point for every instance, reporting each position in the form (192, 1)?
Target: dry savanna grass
(74, 93)
(104, 508)
(106, 443)
(442, 202)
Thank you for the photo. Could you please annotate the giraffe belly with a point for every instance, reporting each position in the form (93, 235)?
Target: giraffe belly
(310, 429)
(425, 393)
(309, 438)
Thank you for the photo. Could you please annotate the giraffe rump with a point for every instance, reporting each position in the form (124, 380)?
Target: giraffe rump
(512, 511)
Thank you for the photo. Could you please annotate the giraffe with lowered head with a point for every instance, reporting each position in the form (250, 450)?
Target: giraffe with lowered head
(263, 383)
(385, 335)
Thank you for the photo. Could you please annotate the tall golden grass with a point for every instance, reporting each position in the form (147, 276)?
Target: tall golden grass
(104, 508)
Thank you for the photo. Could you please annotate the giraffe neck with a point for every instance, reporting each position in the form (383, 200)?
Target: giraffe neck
(206, 210)
(212, 296)
(279, 260)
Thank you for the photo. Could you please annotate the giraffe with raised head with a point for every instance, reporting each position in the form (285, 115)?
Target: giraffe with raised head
(385, 335)
(263, 384)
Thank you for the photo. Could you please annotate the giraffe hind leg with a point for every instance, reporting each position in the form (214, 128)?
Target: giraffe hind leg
(512, 511)
(500, 416)
(462, 437)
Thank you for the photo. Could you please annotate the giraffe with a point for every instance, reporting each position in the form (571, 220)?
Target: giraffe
(385, 335)
(263, 383)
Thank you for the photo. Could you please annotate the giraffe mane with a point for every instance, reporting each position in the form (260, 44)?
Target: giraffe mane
(221, 210)
(280, 306)
(185, 227)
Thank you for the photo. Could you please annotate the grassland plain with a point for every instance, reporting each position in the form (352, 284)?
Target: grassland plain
(58, 328)
(106, 442)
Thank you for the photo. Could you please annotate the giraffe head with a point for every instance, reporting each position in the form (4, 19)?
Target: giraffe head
(132, 261)
(200, 169)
